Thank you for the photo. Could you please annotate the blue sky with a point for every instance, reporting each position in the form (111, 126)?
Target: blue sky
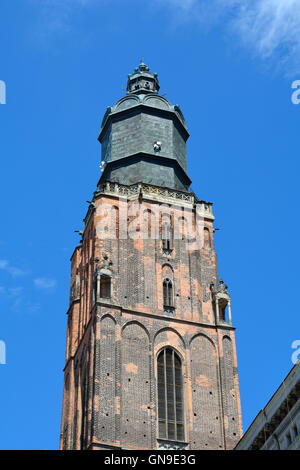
(230, 67)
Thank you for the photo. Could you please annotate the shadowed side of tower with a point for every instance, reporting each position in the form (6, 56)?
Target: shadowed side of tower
(150, 357)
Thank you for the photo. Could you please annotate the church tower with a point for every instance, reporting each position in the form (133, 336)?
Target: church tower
(150, 356)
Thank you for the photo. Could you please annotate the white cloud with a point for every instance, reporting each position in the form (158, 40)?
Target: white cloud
(12, 270)
(14, 295)
(271, 28)
(44, 283)
(32, 307)
(18, 301)
(15, 291)
(11, 292)
(55, 16)
(181, 4)
(3, 263)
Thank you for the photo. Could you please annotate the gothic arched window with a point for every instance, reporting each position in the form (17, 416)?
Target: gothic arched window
(170, 396)
(168, 293)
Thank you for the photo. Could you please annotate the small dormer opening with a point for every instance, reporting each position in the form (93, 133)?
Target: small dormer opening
(221, 302)
(223, 310)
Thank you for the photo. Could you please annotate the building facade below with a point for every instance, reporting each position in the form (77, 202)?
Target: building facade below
(277, 426)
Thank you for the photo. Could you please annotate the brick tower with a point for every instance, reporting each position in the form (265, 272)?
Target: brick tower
(150, 356)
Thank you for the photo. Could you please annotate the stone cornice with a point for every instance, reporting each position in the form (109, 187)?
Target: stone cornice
(152, 193)
(156, 194)
(159, 316)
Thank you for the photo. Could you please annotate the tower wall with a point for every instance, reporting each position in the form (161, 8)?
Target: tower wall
(113, 343)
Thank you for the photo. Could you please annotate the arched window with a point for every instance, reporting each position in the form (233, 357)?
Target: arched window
(168, 293)
(170, 396)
